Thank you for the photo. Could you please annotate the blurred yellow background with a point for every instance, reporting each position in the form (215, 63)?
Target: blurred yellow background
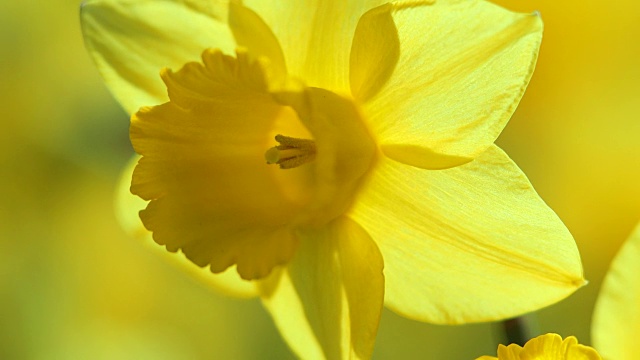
(74, 286)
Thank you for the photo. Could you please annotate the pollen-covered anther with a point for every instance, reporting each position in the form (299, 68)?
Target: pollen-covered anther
(291, 152)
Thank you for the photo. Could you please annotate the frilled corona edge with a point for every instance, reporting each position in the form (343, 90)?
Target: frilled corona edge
(546, 347)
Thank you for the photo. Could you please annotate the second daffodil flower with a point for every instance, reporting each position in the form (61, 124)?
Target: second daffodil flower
(317, 143)
(546, 347)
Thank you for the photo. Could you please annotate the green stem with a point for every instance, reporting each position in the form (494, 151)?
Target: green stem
(516, 330)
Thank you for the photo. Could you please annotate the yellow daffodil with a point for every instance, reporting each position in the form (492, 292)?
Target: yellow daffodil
(616, 318)
(316, 142)
(546, 347)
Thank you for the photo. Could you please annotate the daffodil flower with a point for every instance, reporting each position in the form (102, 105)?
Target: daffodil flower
(546, 347)
(337, 155)
(616, 318)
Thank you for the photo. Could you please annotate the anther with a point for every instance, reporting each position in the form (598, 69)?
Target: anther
(291, 152)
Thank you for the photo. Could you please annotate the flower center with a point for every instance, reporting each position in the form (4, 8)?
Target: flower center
(291, 152)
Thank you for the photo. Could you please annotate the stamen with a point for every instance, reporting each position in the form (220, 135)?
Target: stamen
(291, 152)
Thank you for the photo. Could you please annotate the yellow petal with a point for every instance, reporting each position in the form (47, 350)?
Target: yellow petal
(212, 194)
(546, 347)
(509, 352)
(131, 41)
(127, 208)
(251, 32)
(328, 301)
(374, 53)
(467, 244)
(280, 298)
(463, 67)
(315, 36)
(616, 318)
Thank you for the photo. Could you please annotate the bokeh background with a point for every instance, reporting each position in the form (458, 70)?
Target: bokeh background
(74, 286)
